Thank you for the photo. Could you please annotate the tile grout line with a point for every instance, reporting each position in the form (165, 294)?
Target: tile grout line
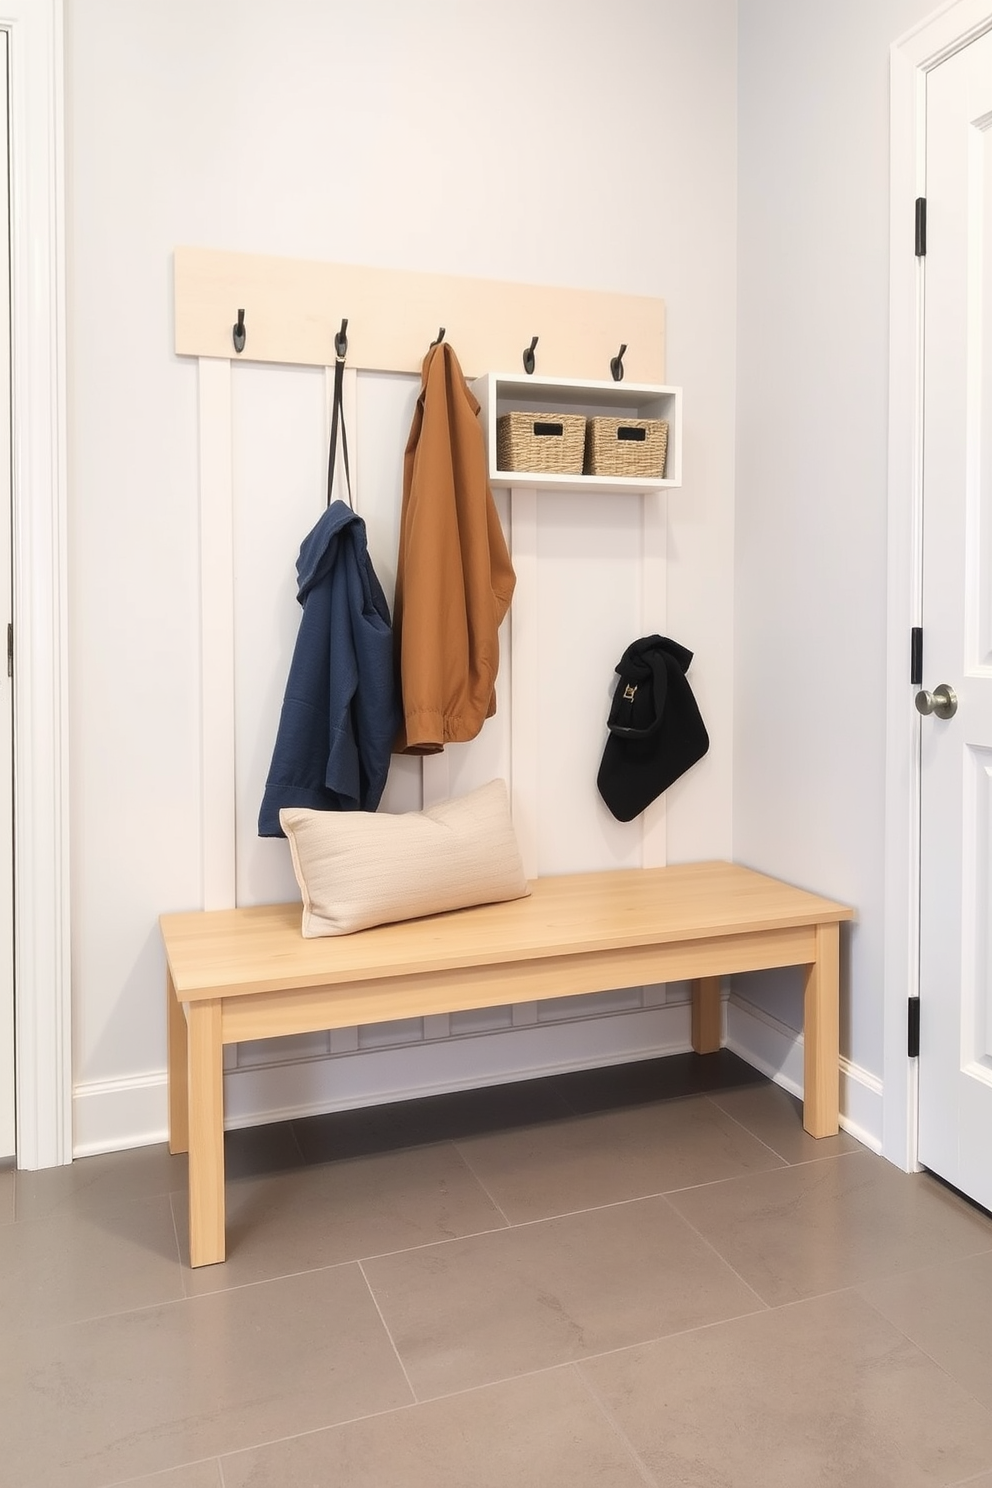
(830, 1291)
(499, 1230)
(803, 1162)
(297, 1144)
(68, 1213)
(389, 1334)
(479, 1234)
(662, 1193)
(959, 1384)
(574, 1365)
(754, 1135)
(565, 1364)
(572, 1109)
(133, 1482)
(490, 1196)
(639, 1464)
(291, 1436)
(811, 1162)
(412, 1405)
(179, 1248)
(765, 1306)
(524, 1224)
(164, 1302)
(786, 1167)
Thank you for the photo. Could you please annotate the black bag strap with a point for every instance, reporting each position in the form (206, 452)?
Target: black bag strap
(623, 710)
(337, 414)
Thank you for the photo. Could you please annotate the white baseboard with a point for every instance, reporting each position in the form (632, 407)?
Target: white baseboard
(111, 1115)
(777, 1051)
(133, 1112)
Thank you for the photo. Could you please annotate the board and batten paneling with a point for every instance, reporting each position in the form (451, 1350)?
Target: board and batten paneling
(590, 578)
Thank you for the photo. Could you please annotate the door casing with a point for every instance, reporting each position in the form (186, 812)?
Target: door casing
(912, 57)
(41, 846)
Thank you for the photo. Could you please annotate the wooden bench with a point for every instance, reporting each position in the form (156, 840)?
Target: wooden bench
(249, 974)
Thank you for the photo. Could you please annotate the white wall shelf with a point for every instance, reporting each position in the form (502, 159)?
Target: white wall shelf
(500, 392)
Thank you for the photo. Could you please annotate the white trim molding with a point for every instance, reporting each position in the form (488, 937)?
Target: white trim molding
(218, 792)
(114, 1115)
(277, 1086)
(912, 57)
(133, 1112)
(770, 1046)
(41, 858)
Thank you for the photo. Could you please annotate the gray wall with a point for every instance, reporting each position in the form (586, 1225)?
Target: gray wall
(812, 430)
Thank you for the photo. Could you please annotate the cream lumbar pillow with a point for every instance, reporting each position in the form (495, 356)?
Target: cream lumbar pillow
(357, 868)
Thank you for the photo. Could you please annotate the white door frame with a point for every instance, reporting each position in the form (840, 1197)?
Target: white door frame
(913, 55)
(41, 856)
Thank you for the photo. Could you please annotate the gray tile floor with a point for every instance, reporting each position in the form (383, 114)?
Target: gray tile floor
(616, 1278)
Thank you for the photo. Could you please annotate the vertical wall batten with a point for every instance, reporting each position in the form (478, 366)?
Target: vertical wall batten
(524, 693)
(217, 635)
(524, 674)
(654, 607)
(435, 773)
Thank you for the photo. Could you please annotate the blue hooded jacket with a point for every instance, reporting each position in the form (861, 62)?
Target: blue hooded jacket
(341, 712)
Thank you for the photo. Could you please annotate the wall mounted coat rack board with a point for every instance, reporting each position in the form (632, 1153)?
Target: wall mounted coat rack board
(292, 309)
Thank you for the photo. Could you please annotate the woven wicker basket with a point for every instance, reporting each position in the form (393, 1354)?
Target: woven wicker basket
(634, 447)
(544, 443)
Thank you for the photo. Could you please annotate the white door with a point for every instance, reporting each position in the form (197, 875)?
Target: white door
(955, 1117)
(6, 693)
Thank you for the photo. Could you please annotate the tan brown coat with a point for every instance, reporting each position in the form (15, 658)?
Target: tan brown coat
(454, 579)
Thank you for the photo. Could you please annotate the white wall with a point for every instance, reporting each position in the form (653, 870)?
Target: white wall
(810, 613)
(526, 141)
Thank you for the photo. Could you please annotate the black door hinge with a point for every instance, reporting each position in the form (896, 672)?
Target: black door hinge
(916, 656)
(10, 650)
(921, 227)
(913, 1028)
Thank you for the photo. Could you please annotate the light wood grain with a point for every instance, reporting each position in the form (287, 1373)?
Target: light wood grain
(294, 307)
(706, 1015)
(249, 974)
(241, 952)
(178, 1056)
(206, 1135)
(423, 994)
(821, 1013)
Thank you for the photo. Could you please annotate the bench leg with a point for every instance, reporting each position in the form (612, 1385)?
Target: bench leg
(177, 1061)
(821, 1038)
(206, 1134)
(706, 1015)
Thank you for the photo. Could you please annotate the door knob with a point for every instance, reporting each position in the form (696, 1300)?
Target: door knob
(942, 702)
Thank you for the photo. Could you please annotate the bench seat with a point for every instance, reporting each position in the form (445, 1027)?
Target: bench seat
(240, 974)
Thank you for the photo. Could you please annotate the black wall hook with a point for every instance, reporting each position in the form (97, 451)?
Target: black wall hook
(529, 359)
(238, 332)
(341, 342)
(439, 338)
(616, 364)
